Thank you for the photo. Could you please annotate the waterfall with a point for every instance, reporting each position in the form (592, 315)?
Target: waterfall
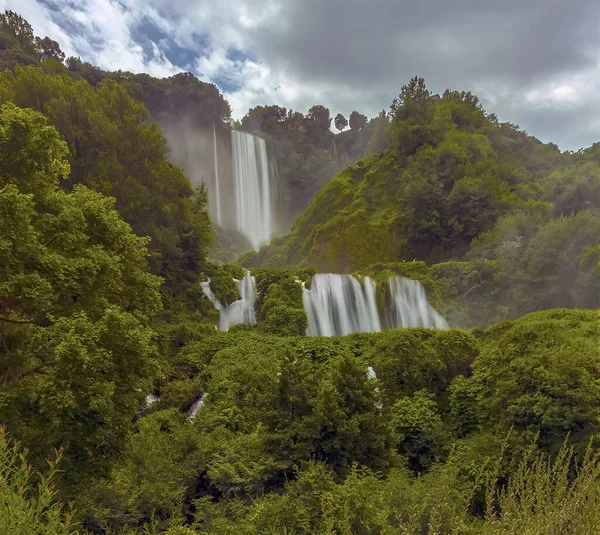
(196, 407)
(410, 307)
(151, 399)
(240, 311)
(252, 188)
(217, 193)
(337, 305)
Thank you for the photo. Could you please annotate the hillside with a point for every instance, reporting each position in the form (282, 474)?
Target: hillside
(149, 387)
(455, 184)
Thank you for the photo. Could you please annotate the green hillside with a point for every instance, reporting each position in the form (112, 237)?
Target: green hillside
(456, 185)
(123, 411)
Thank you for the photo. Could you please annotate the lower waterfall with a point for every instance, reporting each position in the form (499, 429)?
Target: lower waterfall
(410, 307)
(240, 311)
(337, 305)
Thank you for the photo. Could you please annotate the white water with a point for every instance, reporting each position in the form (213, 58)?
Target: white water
(217, 190)
(252, 188)
(196, 407)
(240, 311)
(151, 399)
(337, 305)
(410, 307)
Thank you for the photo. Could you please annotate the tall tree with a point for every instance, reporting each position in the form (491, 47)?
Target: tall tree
(49, 49)
(412, 100)
(340, 122)
(17, 27)
(357, 121)
(75, 304)
(318, 124)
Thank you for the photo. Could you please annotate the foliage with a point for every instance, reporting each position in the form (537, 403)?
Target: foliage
(537, 376)
(114, 150)
(75, 304)
(223, 281)
(18, 46)
(280, 306)
(27, 508)
(357, 121)
(340, 122)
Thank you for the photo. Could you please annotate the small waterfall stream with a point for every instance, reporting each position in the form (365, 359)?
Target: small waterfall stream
(410, 307)
(240, 311)
(196, 407)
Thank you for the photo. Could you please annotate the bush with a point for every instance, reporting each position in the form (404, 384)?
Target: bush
(25, 509)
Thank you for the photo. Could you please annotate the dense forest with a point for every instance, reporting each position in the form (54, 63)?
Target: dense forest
(123, 410)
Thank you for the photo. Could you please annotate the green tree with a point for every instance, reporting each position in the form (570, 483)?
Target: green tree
(340, 122)
(357, 121)
(412, 100)
(560, 350)
(13, 24)
(418, 430)
(114, 149)
(75, 304)
(318, 123)
(49, 49)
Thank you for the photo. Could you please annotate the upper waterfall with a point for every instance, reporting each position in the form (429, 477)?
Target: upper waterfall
(217, 184)
(253, 189)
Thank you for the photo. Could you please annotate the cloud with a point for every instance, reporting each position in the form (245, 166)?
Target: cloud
(532, 62)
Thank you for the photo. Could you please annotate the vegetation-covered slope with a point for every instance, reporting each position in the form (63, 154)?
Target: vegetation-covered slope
(450, 173)
(459, 432)
(456, 185)
(295, 437)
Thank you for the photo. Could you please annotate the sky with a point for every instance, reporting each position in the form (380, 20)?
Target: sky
(535, 63)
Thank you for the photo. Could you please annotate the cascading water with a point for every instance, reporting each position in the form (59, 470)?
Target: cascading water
(252, 188)
(217, 185)
(196, 407)
(337, 305)
(410, 307)
(240, 311)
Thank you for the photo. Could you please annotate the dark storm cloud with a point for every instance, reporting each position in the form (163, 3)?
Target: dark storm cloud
(357, 40)
(500, 50)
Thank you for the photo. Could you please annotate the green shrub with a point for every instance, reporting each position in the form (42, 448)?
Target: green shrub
(28, 499)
